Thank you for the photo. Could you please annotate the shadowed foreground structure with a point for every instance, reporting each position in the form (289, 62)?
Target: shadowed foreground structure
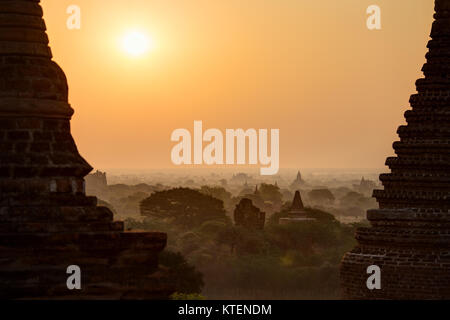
(46, 221)
(409, 237)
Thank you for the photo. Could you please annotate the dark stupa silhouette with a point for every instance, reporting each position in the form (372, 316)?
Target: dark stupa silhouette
(409, 237)
(47, 223)
(297, 212)
(297, 203)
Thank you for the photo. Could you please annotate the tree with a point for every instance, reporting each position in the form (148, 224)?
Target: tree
(229, 236)
(218, 193)
(183, 206)
(185, 278)
(270, 192)
(321, 195)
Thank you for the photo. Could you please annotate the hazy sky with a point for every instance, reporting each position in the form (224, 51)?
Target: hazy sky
(310, 68)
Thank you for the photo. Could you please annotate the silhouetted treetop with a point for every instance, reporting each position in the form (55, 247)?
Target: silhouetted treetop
(321, 195)
(184, 206)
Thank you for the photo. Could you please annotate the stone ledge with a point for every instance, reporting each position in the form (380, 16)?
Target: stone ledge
(41, 108)
(31, 8)
(85, 241)
(25, 48)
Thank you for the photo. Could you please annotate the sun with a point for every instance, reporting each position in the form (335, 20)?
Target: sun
(136, 43)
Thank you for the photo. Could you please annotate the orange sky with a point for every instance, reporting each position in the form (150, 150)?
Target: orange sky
(310, 68)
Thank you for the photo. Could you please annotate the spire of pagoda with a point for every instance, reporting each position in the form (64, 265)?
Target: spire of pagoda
(409, 233)
(420, 173)
(297, 203)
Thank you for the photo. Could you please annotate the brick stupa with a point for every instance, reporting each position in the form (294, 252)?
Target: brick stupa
(409, 237)
(46, 221)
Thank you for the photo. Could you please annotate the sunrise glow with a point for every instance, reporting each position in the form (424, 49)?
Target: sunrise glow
(136, 43)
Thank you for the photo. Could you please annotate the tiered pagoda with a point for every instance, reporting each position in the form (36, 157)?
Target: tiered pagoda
(409, 237)
(47, 223)
(297, 212)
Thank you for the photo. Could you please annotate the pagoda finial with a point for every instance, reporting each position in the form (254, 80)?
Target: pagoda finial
(297, 203)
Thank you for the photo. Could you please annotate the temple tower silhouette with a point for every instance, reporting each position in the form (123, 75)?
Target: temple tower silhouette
(47, 223)
(409, 237)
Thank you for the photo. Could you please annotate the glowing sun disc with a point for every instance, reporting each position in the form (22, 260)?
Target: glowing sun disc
(136, 43)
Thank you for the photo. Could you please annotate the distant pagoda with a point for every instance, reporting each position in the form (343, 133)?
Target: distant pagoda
(298, 182)
(297, 212)
(409, 237)
(47, 223)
